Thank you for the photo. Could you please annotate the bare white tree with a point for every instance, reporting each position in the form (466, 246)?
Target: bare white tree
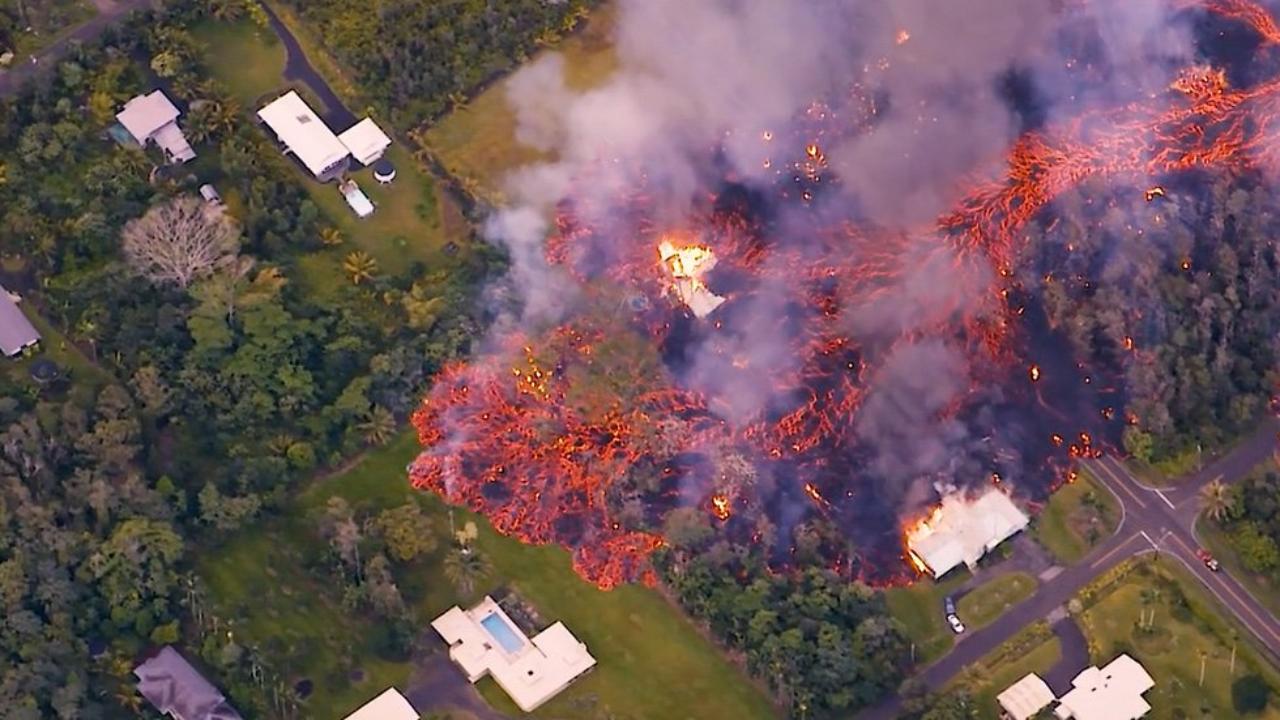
(180, 241)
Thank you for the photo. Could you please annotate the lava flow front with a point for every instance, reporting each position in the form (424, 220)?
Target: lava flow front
(758, 391)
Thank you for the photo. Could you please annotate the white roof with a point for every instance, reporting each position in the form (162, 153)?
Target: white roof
(365, 140)
(1111, 693)
(532, 674)
(145, 114)
(306, 135)
(16, 331)
(963, 530)
(1025, 698)
(390, 705)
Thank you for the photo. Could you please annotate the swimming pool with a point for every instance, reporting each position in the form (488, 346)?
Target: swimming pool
(502, 632)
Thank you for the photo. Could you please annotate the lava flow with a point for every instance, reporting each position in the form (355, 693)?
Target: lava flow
(675, 390)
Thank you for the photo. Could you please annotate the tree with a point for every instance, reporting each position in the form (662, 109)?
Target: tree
(152, 391)
(226, 513)
(1138, 443)
(360, 266)
(378, 425)
(1216, 500)
(687, 528)
(330, 236)
(406, 530)
(1258, 550)
(464, 567)
(1249, 694)
(180, 241)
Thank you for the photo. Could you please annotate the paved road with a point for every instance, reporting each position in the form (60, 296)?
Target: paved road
(1159, 520)
(297, 67)
(109, 11)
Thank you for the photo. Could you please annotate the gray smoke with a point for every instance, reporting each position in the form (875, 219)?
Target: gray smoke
(695, 77)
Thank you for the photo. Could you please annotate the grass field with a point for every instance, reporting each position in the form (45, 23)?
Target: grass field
(1001, 669)
(477, 143)
(1266, 590)
(1077, 516)
(652, 662)
(982, 605)
(1182, 635)
(919, 608)
(86, 378)
(247, 59)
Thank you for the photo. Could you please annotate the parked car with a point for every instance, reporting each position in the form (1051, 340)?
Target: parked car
(1208, 559)
(210, 195)
(948, 606)
(957, 627)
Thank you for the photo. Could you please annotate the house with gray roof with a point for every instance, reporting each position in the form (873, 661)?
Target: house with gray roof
(153, 118)
(16, 331)
(178, 690)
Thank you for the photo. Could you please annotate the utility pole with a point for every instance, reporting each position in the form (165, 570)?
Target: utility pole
(1233, 659)
(1203, 657)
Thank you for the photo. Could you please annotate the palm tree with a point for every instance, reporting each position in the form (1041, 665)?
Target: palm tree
(360, 266)
(330, 236)
(1216, 500)
(465, 566)
(378, 425)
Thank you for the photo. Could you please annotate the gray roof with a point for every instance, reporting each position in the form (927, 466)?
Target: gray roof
(176, 688)
(145, 114)
(16, 331)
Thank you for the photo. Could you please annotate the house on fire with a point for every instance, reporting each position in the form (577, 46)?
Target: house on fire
(178, 690)
(961, 530)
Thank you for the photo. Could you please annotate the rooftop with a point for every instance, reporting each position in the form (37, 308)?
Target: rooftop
(962, 530)
(390, 705)
(365, 140)
(177, 689)
(302, 130)
(1110, 693)
(485, 641)
(1023, 699)
(16, 331)
(145, 114)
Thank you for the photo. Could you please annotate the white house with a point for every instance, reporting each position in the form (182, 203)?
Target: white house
(1110, 693)
(16, 331)
(365, 141)
(484, 641)
(961, 531)
(154, 118)
(390, 705)
(1025, 698)
(306, 136)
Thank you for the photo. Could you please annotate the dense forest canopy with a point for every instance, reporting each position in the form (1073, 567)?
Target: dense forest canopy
(418, 58)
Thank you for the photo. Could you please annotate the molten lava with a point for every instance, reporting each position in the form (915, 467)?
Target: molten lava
(583, 435)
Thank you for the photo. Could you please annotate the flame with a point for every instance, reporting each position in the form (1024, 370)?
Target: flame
(917, 563)
(720, 506)
(1153, 193)
(901, 37)
(689, 261)
(1034, 373)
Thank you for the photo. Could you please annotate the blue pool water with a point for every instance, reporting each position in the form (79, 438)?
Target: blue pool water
(502, 632)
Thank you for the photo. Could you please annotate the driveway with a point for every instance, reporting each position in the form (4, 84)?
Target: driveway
(23, 69)
(298, 68)
(437, 685)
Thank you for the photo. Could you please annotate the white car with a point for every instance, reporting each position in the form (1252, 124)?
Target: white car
(956, 626)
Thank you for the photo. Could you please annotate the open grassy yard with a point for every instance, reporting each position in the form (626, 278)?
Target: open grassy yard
(246, 58)
(477, 143)
(988, 601)
(653, 663)
(1077, 517)
(1265, 589)
(1181, 636)
(919, 608)
(85, 378)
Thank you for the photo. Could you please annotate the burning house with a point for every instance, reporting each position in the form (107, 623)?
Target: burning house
(961, 530)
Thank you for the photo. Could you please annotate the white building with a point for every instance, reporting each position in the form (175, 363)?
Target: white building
(1023, 699)
(961, 531)
(1111, 693)
(365, 141)
(16, 331)
(390, 705)
(306, 136)
(153, 118)
(484, 641)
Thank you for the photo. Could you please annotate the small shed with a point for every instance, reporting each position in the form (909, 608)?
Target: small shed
(16, 331)
(365, 141)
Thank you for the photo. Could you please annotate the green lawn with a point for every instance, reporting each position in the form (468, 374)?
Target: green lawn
(86, 377)
(1266, 590)
(1077, 517)
(477, 143)
(1183, 634)
(246, 58)
(919, 608)
(1007, 670)
(988, 601)
(652, 662)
